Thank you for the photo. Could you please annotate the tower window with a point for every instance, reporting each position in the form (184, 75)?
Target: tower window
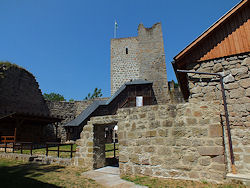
(126, 50)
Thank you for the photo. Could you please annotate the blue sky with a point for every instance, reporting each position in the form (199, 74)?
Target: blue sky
(66, 43)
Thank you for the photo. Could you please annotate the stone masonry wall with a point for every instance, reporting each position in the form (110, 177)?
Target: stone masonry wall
(182, 141)
(235, 70)
(124, 67)
(68, 110)
(140, 57)
(152, 60)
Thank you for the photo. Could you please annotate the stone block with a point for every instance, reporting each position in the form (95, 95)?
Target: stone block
(218, 167)
(134, 158)
(210, 150)
(151, 133)
(191, 121)
(215, 130)
(217, 68)
(237, 93)
(245, 83)
(167, 123)
(156, 160)
(191, 157)
(162, 132)
(248, 92)
(219, 159)
(246, 159)
(149, 149)
(205, 161)
(123, 158)
(228, 79)
(89, 144)
(194, 175)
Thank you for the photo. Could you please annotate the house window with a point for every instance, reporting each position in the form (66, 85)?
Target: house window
(126, 50)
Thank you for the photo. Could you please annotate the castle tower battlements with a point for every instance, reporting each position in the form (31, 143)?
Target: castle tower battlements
(140, 57)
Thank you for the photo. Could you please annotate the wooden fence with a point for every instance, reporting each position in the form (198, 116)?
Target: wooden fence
(30, 146)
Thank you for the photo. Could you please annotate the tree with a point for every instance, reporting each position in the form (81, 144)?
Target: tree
(96, 94)
(71, 100)
(53, 97)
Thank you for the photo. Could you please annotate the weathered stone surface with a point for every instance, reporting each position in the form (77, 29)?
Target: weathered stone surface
(210, 150)
(245, 83)
(217, 68)
(215, 130)
(228, 79)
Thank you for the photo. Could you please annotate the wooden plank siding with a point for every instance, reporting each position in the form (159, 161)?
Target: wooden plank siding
(232, 36)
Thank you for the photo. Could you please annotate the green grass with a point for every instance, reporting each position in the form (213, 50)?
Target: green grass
(20, 174)
(111, 153)
(42, 151)
(152, 182)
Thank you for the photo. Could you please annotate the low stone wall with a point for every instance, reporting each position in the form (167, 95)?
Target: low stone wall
(235, 70)
(182, 141)
(38, 159)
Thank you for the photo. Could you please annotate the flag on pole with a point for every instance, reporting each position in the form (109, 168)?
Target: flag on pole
(116, 26)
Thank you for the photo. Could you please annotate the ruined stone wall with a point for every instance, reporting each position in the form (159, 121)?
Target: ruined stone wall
(235, 70)
(19, 91)
(140, 57)
(182, 141)
(124, 62)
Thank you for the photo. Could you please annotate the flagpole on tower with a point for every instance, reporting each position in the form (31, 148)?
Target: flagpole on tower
(116, 26)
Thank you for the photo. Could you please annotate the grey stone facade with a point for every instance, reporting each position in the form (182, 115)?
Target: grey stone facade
(140, 57)
(235, 70)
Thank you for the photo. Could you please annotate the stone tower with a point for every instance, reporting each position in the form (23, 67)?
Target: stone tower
(140, 57)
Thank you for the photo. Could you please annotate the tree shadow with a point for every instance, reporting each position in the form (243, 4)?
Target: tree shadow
(21, 175)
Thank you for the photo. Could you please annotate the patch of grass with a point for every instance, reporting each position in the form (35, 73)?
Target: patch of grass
(20, 174)
(152, 182)
(111, 153)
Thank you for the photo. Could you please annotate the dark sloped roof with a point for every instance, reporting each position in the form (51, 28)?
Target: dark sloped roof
(91, 108)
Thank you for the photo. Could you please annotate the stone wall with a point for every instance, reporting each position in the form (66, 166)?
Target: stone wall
(124, 66)
(69, 111)
(90, 152)
(235, 70)
(182, 141)
(152, 60)
(140, 57)
(19, 91)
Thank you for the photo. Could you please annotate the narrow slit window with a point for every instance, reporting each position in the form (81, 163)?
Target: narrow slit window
(126, 50)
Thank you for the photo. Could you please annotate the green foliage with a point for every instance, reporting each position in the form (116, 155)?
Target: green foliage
(71, 100)
(96, 94)
(53, 97)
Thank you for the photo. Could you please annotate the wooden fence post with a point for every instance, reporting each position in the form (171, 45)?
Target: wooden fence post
(47, 149)
(71, 150)
(58, 150)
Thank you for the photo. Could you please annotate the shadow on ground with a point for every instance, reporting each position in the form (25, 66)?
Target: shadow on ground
(23, 175)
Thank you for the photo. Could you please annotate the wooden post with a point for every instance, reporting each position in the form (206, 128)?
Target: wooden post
(47, 149)
(58, 150)
(13, 147)
(5, 150)
(71, 150)
(31, 147)
(15, 135)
